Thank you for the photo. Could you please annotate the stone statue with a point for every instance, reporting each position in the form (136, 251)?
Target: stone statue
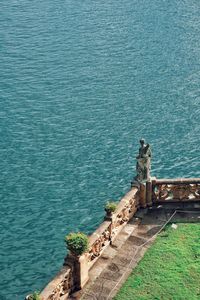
(143, 162)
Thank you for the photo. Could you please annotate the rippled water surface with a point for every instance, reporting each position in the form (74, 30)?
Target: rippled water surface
(80, 83)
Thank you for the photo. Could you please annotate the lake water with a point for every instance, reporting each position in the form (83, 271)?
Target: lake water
(81, 82)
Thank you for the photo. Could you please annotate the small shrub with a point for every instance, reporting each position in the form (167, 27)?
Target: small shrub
(110, 206)
(77, 243)
(34, 296)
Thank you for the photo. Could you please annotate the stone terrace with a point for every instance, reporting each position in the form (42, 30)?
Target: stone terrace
(120, 241)
(119, 259)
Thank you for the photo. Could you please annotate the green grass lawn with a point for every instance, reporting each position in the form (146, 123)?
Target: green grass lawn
(170, 269)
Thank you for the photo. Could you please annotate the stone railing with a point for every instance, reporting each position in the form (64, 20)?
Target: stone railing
(74, 274)
(109, 229)
(173, 190)
(170, 190)
(61, 286)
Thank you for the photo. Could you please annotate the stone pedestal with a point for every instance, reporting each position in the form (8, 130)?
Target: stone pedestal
(80, 269)
(108, 217)
(149, 192)
(142, 197)
(83, 270)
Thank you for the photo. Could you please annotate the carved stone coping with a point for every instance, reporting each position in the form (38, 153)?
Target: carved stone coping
(176, 181)
(56, 285)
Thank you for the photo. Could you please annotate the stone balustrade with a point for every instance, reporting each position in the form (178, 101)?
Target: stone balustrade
(60, 287)
(109, 229)
(74, 274)
(173, 190)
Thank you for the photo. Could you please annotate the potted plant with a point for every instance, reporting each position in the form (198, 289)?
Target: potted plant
(110, 207)
(77, 243)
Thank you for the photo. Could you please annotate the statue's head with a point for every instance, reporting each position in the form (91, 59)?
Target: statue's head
(142, 141)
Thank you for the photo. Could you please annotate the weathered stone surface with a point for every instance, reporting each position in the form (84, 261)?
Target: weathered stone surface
(122, 260)
(135, 240)
(113, 272)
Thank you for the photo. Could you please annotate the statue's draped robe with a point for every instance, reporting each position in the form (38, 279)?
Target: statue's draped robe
(143, 163)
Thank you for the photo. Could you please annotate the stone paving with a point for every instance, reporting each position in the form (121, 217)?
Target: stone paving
(118, 260)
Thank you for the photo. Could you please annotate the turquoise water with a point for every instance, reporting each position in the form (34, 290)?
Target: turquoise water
(81, 82)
